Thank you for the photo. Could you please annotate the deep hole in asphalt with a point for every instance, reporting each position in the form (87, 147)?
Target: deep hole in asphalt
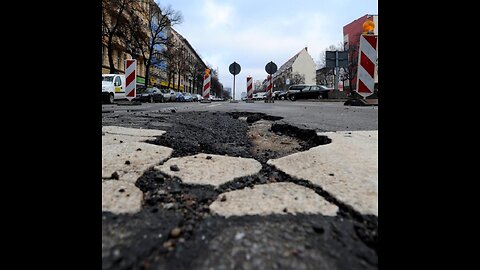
(171, 204)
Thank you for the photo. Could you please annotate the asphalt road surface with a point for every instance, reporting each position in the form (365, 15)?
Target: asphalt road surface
(208, 186)
(318, 115)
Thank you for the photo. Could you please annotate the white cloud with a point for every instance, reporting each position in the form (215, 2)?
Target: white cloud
(216, 14)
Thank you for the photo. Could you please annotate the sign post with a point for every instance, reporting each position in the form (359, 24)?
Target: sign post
(270, 68)
(336, 60)
(234, 69)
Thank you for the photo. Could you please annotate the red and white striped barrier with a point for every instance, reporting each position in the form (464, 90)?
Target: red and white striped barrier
(367, 59)
(206, 87)
(269, 87)
(249, 88)
(130, 78)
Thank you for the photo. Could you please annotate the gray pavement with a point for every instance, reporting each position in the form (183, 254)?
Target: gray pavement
(319, 115)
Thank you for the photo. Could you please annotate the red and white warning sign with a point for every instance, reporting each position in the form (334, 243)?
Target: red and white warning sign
(206, 85)
(367, 59)
(269, 87)
(130, 78)
(249, 88)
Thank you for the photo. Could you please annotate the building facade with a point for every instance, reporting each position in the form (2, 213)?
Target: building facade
(186, 66)
(119, 50)
(298, 69)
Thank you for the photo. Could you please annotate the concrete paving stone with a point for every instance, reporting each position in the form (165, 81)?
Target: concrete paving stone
(215, 171)
(273, 198)
(121, 197)
(133, 131)
(347, 168)
(119, 138)
(130, 159)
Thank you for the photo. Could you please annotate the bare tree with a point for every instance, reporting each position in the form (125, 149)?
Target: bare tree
(350, 73)
(148, 33)
(297, 78)
(216, 86)
(322, 62)
(114, 19)
(180, 64)
(195, 70)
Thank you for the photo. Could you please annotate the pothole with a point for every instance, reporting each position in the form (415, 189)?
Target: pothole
(271, 140)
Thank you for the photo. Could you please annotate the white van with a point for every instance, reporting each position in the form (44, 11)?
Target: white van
(113, 87)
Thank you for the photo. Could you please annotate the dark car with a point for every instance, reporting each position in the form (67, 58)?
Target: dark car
(279, 95)
(152, 94)
(179, 96)
(307, 91)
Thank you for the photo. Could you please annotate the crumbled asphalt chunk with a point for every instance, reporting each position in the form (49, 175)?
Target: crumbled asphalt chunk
(127, 162)
(139, 149)
(224, 198)
(175, 232)
(121, 190)
(174, 168)
(209, 157)
(331, 174)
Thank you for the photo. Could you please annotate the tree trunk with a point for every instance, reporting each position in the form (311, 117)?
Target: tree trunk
(178, 85)
(147, 73)
(110, 55)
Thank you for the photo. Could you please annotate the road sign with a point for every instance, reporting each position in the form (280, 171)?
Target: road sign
(130, 81)
(342, 57)
(336, 59)
(234, 68)
(271, 67)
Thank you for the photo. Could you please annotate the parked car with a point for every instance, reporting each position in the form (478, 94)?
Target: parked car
(113, 87)
(199, 97)
(188, 97)
(279, 95)
(169, 95)
(260, 96)
(179, 96)
(306, 91)
(151, 94)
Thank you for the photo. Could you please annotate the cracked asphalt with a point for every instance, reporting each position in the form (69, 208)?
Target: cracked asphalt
(176, 228)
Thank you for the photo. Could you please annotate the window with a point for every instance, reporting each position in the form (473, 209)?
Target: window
(118, 81)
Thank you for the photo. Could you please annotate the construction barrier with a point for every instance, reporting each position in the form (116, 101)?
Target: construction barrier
(269, 98)
(130, 79)
(206, 87)
(366, 67)
(250, 89)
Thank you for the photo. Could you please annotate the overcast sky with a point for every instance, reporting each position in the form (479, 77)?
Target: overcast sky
(253, 33)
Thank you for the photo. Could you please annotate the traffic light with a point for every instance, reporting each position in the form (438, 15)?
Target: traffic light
(207, 71)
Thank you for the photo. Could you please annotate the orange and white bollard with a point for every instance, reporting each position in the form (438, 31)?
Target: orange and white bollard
(206, 86)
